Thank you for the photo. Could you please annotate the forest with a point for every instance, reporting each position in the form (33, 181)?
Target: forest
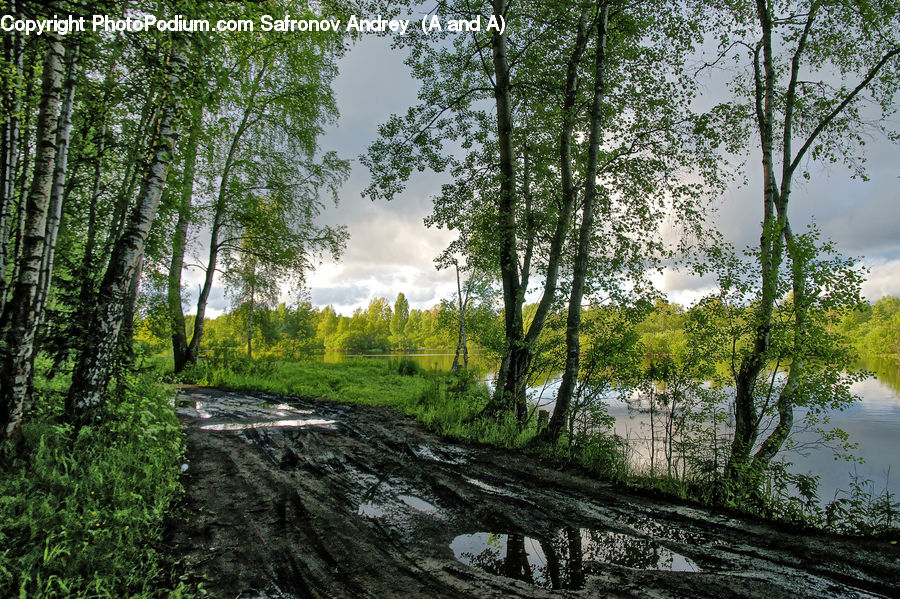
(873, 330)
(585, 152)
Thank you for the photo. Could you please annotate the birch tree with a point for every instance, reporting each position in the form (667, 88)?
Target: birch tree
(821, 74)
(93, 368)
(513, 216)
(274, 100)
(20, 316)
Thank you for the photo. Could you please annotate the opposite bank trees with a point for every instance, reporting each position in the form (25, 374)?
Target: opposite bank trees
(818, 74)
(563, 98)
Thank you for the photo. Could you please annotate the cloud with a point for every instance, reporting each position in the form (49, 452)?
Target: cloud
(342, 295)
(882, 279)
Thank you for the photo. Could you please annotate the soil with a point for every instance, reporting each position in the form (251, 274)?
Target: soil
(297, 497)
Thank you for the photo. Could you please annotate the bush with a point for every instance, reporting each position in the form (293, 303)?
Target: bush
(406, 367)
(81, 512)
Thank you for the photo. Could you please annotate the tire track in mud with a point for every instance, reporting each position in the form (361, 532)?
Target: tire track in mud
(295, 497)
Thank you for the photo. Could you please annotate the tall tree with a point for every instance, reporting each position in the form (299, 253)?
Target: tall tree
(93, 369)
(512, 223)
(579, 271)
(820, 71)
(19, 319)
(399, 318)
(274, 98)
(10, 138)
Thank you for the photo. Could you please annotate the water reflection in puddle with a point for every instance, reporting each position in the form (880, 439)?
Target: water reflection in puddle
(239, 426)
(418, 504)
(563, 562)
(371, 510)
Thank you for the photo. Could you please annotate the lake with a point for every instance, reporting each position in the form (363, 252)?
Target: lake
(873, 422)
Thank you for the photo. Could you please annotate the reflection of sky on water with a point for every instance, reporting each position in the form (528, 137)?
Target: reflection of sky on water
(873, 423)
(877, 398)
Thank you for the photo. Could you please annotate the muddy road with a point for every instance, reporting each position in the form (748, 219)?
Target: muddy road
(290, 497)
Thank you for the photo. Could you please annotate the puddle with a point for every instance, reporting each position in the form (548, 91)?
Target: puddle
(383, 499)
(283, 407)
(418, 504)
(239, 426)
(371, 510)
(563, 561)
(237, 406)
(450, 455)
(484, 486)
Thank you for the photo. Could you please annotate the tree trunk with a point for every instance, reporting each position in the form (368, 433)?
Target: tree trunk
(54, 216)
(506, 395)
(86, 292)
(132, 175)
(461, 345)
(218, 224)
(250, 325)
(179, 243)
(21, 314)
(576, 295)
(10, 150)
(746, 420)
(92, 372)
(510, 393)
(22, 183)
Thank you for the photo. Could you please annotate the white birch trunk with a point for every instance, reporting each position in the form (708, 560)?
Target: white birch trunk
(20, 315)
(94, 366)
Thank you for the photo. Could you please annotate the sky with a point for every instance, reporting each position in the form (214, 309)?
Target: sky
(390, 250)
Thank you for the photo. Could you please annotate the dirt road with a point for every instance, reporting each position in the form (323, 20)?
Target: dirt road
(289, 497)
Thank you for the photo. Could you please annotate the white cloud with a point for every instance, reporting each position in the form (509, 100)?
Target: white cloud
(883, 279)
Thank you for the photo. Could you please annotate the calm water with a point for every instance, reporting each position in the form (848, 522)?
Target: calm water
(873, 423)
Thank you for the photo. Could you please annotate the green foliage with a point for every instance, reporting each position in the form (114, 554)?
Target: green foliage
(407, 367)
(81, 513)
(292, 332)
(863, 510)
(874, 330)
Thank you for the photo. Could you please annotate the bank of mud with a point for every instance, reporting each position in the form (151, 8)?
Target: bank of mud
(295, 497)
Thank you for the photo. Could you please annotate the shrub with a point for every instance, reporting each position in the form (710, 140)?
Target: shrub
(81, 512)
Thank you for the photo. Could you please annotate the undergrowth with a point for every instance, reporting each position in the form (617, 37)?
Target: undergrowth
(81, 512)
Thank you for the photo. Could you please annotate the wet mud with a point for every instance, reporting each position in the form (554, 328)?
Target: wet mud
(295, 497)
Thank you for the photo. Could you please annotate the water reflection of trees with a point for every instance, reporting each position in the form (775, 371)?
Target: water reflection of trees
(563, 561)
(886, 370)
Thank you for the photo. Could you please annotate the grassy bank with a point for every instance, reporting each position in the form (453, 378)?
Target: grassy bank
(81, 513)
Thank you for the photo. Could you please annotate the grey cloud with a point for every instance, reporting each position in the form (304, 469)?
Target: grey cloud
(341, 295)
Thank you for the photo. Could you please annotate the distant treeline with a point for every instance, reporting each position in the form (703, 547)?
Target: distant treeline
(872, 329)
(291, 331)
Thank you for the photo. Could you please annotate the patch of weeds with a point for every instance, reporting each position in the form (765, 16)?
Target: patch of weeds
(862, 510)
(406, 367)
(81, 511)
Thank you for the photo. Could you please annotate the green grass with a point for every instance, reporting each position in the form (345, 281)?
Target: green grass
(81, 513)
